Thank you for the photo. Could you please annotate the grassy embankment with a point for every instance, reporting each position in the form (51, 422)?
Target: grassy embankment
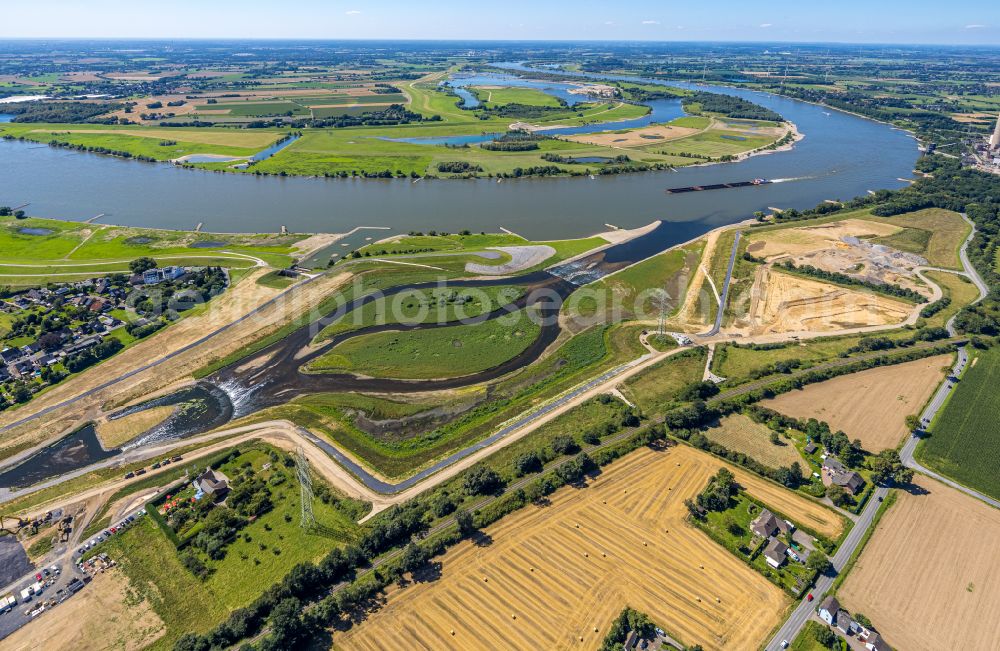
(434, 353)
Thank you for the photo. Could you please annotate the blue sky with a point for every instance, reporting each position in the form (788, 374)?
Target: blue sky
(869, 21)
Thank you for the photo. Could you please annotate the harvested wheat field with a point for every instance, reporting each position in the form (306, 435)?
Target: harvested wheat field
(785, 303)
(806, 239)
(740, 434)
(635, 137)
(554, 577)
(121, 430)
(104, 616)
(928, 577)
(871, 405)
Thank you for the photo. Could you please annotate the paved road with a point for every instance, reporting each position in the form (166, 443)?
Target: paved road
(725, 288)
(793, 625)
(946, 388)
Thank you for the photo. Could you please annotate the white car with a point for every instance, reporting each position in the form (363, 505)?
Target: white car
(784, 644)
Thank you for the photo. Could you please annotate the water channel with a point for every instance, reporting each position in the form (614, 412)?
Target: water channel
(841, 156)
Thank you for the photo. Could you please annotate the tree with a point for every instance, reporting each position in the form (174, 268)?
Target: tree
(861, 619)
(818, 562)
(528, 462)
(414, 556)
(912, 422)
(464, 521)
(825, 637)
(887, 468)
(838, 495)
(563, 444)
(775, 439)
(482, 481)
(140, 265)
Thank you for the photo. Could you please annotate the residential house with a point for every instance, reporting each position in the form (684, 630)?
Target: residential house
(775, 552)
(767, 524)
(876, 643)
(810, 447)
(212, 483)
(845, 623)
(828, 609)
(11, 355)
(835, 472)
(154, 276)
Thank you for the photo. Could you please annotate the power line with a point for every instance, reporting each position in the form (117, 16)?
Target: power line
(308, 519)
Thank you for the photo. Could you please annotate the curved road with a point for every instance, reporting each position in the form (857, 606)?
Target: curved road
(798, 618)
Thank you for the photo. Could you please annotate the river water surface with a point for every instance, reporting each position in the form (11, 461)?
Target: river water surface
(841, 156)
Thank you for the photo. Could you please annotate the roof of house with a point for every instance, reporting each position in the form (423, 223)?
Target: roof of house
(833, 464)
(775, 550)
(844, 620)
(877, 643)
(830, 604)
(212, 481)
(849, 479)
(810, 447)
(767, 524)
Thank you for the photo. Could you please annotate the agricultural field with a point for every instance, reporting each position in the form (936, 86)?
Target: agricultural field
(957, 289)
(963, 438)
(262, 552)
(156, 143)
(927, 578)
(740, 434)
(871, 405)
(655, 389)
(736, 363)
(553, 578)
(450, 351)
(37, 248)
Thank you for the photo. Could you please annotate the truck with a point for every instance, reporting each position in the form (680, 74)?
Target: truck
(7, 602)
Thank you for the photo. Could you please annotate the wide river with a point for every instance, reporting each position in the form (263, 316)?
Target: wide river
(841, 156)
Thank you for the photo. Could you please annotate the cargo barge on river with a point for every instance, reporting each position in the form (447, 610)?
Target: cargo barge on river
(718, 186)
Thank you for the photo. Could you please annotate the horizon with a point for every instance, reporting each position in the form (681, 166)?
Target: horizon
(965, 22)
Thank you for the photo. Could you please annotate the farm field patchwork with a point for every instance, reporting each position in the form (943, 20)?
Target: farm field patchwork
(871, 405)
(964, 440)
(552, 578)
(927, 578)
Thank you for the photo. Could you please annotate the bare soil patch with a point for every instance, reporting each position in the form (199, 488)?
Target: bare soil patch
(635, 137)
(782, 302)
(806, 239)
(114, 433)
(104, 615)
(928, 577)
(871, 405)
(554, 577)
